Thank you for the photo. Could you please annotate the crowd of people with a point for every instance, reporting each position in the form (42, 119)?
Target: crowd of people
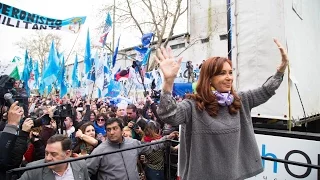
(216, 142)
(90, 126)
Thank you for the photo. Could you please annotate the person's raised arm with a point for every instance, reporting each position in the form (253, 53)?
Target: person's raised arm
(169, 111)
(262, 94)
(86, 138)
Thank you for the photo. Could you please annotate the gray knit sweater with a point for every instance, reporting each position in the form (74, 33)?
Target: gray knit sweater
(219, 148)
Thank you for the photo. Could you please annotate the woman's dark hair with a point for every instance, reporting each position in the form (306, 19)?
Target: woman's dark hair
(84, 126)
(77, 147)
(104, 115)
(152, 130)
(111, 114)
(204, 97)
(92, 112)
(141, 123)
(114, 108)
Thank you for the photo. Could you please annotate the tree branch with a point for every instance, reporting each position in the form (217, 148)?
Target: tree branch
(174, 21)
(183, 11)
(134, 19)
(152, 15)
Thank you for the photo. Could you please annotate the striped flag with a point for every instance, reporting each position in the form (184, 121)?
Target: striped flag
(106, 30)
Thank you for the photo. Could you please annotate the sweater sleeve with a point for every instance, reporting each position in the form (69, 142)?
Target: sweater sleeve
(262, 94)
(154, 110)
(171, 112)
(94, 163)
(155, 147)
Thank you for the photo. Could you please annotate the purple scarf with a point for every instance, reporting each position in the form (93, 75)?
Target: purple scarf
(224, 99)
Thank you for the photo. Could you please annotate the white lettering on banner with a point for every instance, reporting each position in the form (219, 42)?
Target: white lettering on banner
(299, 150)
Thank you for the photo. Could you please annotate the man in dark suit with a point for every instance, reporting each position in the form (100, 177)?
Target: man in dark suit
(58, 148)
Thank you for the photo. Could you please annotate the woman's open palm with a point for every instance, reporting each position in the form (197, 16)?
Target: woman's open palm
(284, 55)
(168, 65)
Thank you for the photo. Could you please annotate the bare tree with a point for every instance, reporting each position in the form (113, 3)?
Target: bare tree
(157, 16)
(38, 45)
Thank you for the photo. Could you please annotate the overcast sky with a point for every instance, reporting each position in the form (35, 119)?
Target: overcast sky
(57, 9)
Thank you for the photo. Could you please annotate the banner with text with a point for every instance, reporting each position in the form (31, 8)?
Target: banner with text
(292, 149)
(14, 17)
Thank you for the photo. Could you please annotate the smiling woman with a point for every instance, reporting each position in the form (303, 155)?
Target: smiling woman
(215, 82)
(217, 137)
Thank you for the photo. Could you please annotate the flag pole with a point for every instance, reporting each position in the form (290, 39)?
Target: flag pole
(114, 24)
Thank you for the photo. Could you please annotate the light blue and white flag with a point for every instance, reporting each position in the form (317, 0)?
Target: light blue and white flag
(99, 66)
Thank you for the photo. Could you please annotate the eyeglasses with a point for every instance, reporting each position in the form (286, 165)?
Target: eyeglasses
(100, 119)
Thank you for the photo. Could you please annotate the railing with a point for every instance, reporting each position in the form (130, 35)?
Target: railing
(11, 173)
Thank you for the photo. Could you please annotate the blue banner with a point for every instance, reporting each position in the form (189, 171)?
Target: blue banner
(18, 18)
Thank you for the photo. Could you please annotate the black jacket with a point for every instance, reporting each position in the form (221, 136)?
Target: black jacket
(7, 141)
(39, 150)
(15, 145)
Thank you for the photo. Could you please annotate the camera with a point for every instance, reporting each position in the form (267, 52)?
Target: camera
(155, 95)
(63, 111)
(18, 94)
(43, 120)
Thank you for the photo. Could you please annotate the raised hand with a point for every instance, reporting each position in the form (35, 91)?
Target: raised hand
(284, 55)
(27, 125)
(174, 134)
(15, 114)
(168, 65)
(79, 133)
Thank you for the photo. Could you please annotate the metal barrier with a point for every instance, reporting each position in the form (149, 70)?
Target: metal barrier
(168, 144)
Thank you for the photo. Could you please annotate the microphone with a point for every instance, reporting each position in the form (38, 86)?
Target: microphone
(8, 98)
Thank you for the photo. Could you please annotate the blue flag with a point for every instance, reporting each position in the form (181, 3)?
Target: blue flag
(92, 73)
(87, 55)
(146, 39)
(141, 51)
(60, 55)
(49, 89)
(36, 73)
(143, 55)
(63, 85)
(115, 53)
(91, 78)
(30, 65)
(52, 70)
(58, 82)
(74, 77)
(99, 93)
(42, 85)
(26, 73)
(113, 88)
(146, 57)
